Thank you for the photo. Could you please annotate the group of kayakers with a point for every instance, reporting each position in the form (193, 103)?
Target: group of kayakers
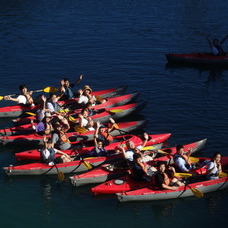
(53, 124)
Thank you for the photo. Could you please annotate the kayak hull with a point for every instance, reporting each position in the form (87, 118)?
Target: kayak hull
(198, 58)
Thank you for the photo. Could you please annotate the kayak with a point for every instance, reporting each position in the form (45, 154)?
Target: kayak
(15, 111)
(35, 139)
(198, 58)
(84, 147)
(104, 173)
(152, 193)
(77, 166)
(103, 115)
(111, 102)
(127, 183)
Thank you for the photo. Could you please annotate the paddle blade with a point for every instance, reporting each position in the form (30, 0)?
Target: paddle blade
(50, 89)
(194, 160)
(183, 174)
(61, 176)
(30, 113)
(148, 148)
(87, 164)
(197, 192)
(1, 98)
(71, 118)
(116, 126)
(80, 129)
(222, 174)
(115, 110)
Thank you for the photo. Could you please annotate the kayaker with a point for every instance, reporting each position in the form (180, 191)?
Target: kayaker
(66, 88)
(98, 149)
(59, 138)
(85, 120)
(164, 178)
(131, 147)
(41, 102)
(139, 169)
(25, 98)
(215, 46)
(44, 127)
(85, 96)
(48, 154)
(52, 103)
(214, 167)
(103, 134)
(182, 160)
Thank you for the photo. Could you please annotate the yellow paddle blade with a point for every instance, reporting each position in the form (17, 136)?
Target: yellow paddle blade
(80, 129)
(64, 110)
(196, 192)
(116, 126)
(222, 174)
(30, 113)
(183, 175)
(148, 148)
(71, 118)
(1, 98)
(194, 159)
(61, 176)
(87, 164)
(50, 89)
(115, 110)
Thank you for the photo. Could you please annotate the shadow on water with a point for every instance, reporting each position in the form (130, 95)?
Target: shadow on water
(215, 73)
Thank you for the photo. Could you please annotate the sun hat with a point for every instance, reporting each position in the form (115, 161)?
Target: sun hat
(87, 87)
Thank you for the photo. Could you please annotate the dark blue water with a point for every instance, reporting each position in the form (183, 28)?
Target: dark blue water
(121, 42)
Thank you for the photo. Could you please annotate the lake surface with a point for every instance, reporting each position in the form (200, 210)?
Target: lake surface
(116, 43)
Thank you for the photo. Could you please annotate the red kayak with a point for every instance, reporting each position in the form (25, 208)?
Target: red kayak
(15, 111)
(104, 173)
(77, 166)
(102, 116)
(85, 147)
(111, 102)
(197, 189)
(198, 58)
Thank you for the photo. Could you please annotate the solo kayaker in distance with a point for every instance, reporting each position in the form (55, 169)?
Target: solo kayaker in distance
(66, 88)
(216, 46)
(48, 154)
(164, 179)
(25, 98)
(214, 167)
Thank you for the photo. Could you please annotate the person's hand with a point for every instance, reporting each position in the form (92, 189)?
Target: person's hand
(112, 120)
(98, 124)
(62, 82)
(81, 76)
(174, 188)
(30, 93)
(8, 98)
(146, 136)
(80, 91)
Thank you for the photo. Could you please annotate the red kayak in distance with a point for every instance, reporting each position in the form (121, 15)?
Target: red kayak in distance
(77, 166)
(15, 111)
(111, 102)
(84, 147)
(198, 58)
(104, 173)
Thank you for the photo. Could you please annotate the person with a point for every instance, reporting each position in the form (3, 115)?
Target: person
(182, 161)
(85, 120)
(214, 167)
(66, 88)
(41, 102)
(131, 147)
(52, 103)
(139, 170)
(59, 138)
(98, 149)
(25, 98)
(48, 154)
(215, 46)
(164, 179)
(103, 134)
(44, 127)
(85, 96)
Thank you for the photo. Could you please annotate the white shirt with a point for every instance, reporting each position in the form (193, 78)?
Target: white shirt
(130, 153)
(46, 154)
(21, 99)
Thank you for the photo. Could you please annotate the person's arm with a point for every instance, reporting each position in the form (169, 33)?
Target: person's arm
(146, 137)
(97, 129)
(224, 39)
(79, 79)
(169, 187)
(9, 98)
(112, 127)
(62, 153)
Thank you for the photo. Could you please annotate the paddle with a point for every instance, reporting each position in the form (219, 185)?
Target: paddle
(80, 129)
(86, 164)
(185, 175)
(196, 192)
(115, 110)
(60, 174)
(46, 90)
(222, 174)
(30, 113)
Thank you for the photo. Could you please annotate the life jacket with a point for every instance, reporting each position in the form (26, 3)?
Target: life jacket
(166, 179)
(105, 137)
(97, 152)
(185, 157)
